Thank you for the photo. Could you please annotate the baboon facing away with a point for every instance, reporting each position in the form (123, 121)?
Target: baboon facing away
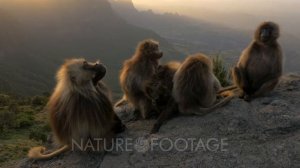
(187, 88)
(196, 87)
(80, 109)
(260, 65)
(137, 74)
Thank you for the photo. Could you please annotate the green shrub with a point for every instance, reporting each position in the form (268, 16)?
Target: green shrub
(4, 100)
(24, 119)
(13, 107)
(24, 101)
(15, 149)
(221, 71)
(39, 101)
(46, 127)
(39, 133)
(7, 120)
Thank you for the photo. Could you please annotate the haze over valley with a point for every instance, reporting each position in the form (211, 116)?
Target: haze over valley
(37, 36)
(242, 14)
(190, 33)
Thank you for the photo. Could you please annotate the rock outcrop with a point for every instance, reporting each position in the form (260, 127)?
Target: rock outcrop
(261, 134)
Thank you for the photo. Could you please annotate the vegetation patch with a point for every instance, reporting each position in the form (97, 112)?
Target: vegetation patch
(23, 124)
(221, 71)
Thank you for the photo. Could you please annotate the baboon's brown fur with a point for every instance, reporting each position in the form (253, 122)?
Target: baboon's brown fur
(162, 87)
(196, 87)
(260, 65)
(80, 108)
(136, 75)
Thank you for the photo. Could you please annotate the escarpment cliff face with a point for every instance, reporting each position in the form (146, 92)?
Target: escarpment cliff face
(262, 133)
(35, 40)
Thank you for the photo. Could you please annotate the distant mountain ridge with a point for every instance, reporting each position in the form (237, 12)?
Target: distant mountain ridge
(179, 27)
(194, 35)
(65, 29)
(35, 41)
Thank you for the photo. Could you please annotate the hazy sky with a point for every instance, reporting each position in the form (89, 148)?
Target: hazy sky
(244, 14)
(233, 13)
(187, 6)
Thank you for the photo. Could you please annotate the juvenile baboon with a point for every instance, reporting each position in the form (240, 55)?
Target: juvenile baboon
(196, 87)
(260, 65)
(162, 86)
(136, 75)
(79, 108)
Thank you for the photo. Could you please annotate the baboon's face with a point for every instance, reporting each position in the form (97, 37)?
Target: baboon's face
(82, 72)
(268, 32)
(151, 49)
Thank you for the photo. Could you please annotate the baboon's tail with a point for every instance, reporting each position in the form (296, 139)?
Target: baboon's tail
(121, 102)
(37, 152)
(203, 111)
(232, 87)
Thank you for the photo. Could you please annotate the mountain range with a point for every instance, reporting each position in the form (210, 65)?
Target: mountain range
(190, 35)
(35, 40)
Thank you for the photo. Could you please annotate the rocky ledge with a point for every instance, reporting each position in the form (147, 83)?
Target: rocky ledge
(264, 133)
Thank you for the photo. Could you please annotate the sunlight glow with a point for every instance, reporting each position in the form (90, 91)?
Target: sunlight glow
(30, 2)
(190, 7)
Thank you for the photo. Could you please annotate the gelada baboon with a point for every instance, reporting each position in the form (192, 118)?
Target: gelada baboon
(162, 86)
(260, 65)
(136, 75)
(196, 87)
(79, 108)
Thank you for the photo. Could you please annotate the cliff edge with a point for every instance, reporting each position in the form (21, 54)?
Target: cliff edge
(263, 133)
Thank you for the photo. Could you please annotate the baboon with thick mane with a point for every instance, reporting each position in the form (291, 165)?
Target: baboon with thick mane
(260, 65)
(196, 87)
(80, 108)
(136, 75)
